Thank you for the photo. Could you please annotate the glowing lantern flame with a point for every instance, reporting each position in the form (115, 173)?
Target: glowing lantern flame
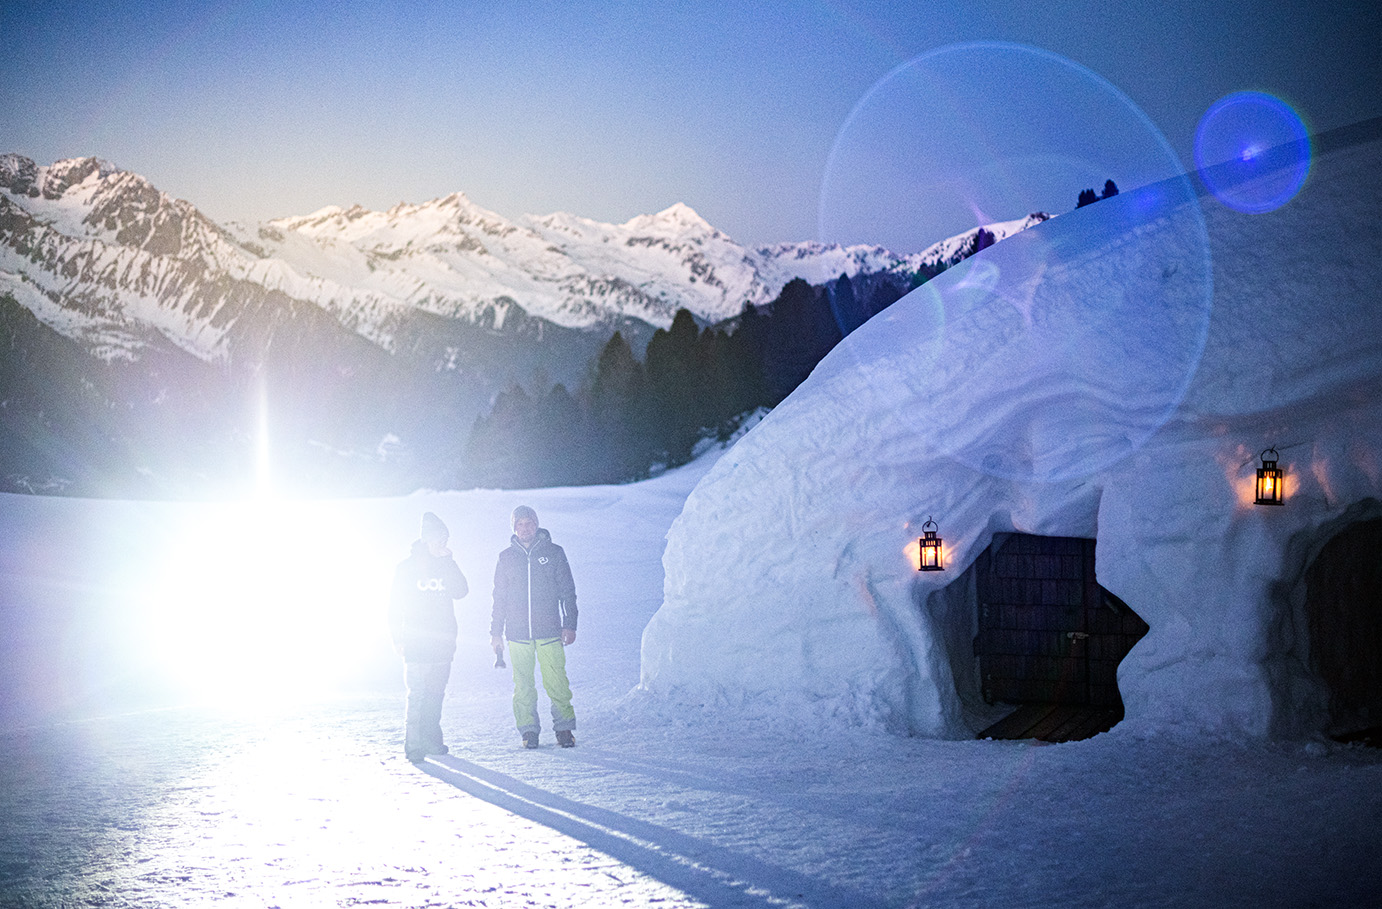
(1269, 485)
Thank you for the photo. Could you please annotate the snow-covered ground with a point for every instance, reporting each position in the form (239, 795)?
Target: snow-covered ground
(118, 789)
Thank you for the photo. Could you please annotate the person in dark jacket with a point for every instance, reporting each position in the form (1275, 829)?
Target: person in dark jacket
(535, 609)
(422, 621)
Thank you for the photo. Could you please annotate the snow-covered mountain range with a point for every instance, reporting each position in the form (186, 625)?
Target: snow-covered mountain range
(99, 253)
(136, 322)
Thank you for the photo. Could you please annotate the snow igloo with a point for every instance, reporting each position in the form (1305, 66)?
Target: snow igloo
(1092, 395)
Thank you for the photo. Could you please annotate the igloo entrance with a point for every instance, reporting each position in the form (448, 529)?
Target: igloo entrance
(1343, 608)
(1049, 638)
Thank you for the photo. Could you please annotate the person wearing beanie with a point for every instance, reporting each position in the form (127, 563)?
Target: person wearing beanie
(535, 609)
(422, 621)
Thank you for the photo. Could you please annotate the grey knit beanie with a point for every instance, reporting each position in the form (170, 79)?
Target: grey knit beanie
(522, 511)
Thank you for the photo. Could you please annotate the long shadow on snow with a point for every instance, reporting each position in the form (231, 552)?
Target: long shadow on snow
(898, 810)
(710, 873)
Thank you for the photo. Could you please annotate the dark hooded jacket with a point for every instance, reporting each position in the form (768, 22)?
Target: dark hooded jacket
(534, 593)
(421, 616)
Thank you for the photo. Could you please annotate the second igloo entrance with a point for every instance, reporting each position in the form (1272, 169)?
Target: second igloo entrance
(1050, 638)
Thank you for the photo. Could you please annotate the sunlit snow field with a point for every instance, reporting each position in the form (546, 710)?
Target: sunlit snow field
(201, 708)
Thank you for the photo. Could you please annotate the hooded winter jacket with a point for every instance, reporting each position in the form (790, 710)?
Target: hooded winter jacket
(534, 593)
(421, 616)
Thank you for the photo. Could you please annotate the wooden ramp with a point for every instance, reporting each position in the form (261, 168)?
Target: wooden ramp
(1054, 722)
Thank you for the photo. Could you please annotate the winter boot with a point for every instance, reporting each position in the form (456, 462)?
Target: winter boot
(566, 739)
(530, 740)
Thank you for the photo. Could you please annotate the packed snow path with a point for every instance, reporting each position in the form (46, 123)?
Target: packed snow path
(315, 807)
(312, 804)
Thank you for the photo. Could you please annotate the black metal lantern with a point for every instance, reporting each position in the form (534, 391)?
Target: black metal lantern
(930, 555)
(1269, 482)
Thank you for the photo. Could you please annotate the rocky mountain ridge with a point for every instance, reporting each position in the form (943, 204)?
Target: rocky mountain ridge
(105, 242)
(355, 326)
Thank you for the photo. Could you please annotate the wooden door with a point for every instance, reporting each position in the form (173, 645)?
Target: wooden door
(1343, 605)
(1048, 633)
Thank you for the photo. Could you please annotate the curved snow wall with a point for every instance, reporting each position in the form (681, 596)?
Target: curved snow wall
(1114, 374)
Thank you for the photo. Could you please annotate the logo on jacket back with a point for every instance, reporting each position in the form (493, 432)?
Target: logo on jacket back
(430, 584)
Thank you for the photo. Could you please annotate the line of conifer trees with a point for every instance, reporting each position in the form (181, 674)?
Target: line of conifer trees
(631, 418)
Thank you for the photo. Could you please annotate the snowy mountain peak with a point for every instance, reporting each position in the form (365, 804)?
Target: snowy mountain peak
(74, 171)
(21, 176)
(405, 224)
(80, 198)
(679, 218)
(18, 174)
(952, 249)
(456, 199)
(327, 214)
(372, 270)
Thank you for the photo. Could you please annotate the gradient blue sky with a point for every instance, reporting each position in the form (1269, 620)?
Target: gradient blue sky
(253, 110)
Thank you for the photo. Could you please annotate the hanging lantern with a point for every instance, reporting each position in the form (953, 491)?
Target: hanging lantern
(930, 544)
(1269, 485)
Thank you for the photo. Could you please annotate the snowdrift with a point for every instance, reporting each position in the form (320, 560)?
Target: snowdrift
(1110, 374)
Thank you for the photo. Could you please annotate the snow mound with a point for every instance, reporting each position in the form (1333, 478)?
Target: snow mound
(1089, 377)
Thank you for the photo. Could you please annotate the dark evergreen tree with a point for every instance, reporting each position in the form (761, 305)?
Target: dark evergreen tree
(673, 389)
(1110, 189)
(823, 331)
(983, 239)
(742, 352)
(618, 375)
(562, 442)
(1087, 197)
(797, 337)
(845, 305)
(711, 403)
(884, 295)
(501, 450)
(618, 414)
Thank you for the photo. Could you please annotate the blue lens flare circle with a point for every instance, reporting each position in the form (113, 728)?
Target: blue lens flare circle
(1252, 151)
(1061, 349)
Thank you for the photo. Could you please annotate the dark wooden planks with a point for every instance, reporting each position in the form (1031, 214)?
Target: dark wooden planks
(1053, 722)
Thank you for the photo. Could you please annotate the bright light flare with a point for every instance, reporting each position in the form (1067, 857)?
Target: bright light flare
(267, 600)
(1252, 151)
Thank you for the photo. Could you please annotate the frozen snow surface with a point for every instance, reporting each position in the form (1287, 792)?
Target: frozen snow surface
(119, 788)
(1111, 374)
(107, 799)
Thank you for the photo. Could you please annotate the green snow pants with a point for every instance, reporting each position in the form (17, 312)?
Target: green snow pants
(549, 655)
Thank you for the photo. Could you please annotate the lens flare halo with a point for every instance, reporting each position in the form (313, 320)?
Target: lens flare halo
(1060, 350)
(1252, 151)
